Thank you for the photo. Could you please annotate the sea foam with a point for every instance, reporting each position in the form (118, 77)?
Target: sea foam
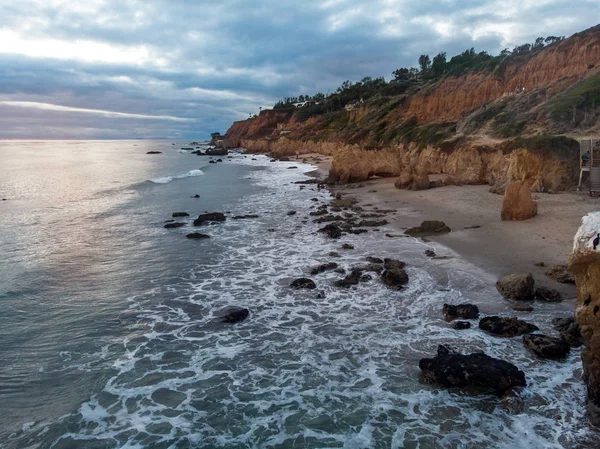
(167, 179)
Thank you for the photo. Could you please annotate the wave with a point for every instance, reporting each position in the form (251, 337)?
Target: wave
(167, 179)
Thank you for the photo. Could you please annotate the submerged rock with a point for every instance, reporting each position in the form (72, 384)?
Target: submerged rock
(353, 278)
(374, 259)
(197, 236)
(244, 217)
(548, 294)
(465, 311)
(475, 370)
(174, 225)
(236, 316)
(428, 227)
(546, 347)
(347, 246)
(506, 326)
(391, 264)
(209, 217)
(461, 325)
(303, 283)
(518, 286)
(180, 214)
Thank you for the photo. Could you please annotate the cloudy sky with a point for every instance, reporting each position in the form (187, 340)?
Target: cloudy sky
(185, 68)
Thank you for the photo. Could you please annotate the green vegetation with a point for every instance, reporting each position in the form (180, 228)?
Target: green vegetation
(506, 125)
(559, 145)
(578, 105)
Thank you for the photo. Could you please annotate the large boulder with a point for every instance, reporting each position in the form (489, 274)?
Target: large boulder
(506, 326)
(216, 152)
(518, 286)
(475, 370)
(465, 311)
(546, 347)
(518, 205)
(208, 218)
(428, 227)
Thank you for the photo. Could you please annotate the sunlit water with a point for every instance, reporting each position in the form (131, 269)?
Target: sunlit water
(109, 330)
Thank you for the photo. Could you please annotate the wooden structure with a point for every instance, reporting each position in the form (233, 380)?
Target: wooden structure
(589, 161)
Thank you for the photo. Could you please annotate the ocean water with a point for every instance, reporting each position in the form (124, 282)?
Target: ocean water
(110, 334)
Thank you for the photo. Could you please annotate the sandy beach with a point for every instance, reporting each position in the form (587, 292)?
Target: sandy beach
(478, 235)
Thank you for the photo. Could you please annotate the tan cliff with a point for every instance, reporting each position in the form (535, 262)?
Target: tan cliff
(584, 262)
(417, 130)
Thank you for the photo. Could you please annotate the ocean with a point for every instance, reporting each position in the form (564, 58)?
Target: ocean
(110, 329)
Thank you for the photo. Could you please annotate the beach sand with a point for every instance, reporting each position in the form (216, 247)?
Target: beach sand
(497, 247)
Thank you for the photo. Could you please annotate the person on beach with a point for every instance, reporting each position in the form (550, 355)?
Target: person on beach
(585, 157)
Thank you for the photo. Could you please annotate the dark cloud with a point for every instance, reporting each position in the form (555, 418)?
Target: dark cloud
(215, 62)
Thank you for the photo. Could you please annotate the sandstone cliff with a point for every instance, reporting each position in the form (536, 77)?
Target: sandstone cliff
(584, 262)
(474, 126)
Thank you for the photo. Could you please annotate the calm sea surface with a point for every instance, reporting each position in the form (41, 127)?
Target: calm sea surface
(109, 329)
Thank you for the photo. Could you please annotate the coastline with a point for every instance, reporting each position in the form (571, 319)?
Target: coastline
(478, 235)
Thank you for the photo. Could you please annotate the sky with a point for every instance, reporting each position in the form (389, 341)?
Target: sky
(181, 69)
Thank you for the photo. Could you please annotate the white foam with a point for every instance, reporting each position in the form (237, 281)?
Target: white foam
(167, 179)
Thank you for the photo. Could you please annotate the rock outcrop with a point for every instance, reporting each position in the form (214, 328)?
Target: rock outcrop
(506, 326)
(584, 262)
(477, 370)
(517, 286)
(518, 204)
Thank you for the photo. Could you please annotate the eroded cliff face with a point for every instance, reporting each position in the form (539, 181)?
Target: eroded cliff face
(557, 67)
(384, 137)
(584, 262)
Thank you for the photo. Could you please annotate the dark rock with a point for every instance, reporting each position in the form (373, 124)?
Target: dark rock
(333, 254)
(391, 264)
(347, 246)
(548, 294)
(506, 326)
(352, 279)
(539, 264)
(180, 214)
(394, 278)
(332, 231)
(429, 227)
(429, 253)
(174, 225)
(284, 158)
(292, 212)
(522, 307)
(374, 267)
(292, 167)
(219, 160)
(210, 217)
(546, 347)
(465, 311)
(460, 325)
(196, 196)
(197, 235)
(475, 370)
(323, 268)
(236, 316)
(518, 286)
(244, 217)
(303, 283)
(212, 162)
(569, 330)
(560, 273)
(270, 230)
(216, 152)
(154, 152)
(374, 259)
(358, 231)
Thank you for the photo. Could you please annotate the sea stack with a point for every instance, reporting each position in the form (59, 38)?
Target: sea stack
(584, 262)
